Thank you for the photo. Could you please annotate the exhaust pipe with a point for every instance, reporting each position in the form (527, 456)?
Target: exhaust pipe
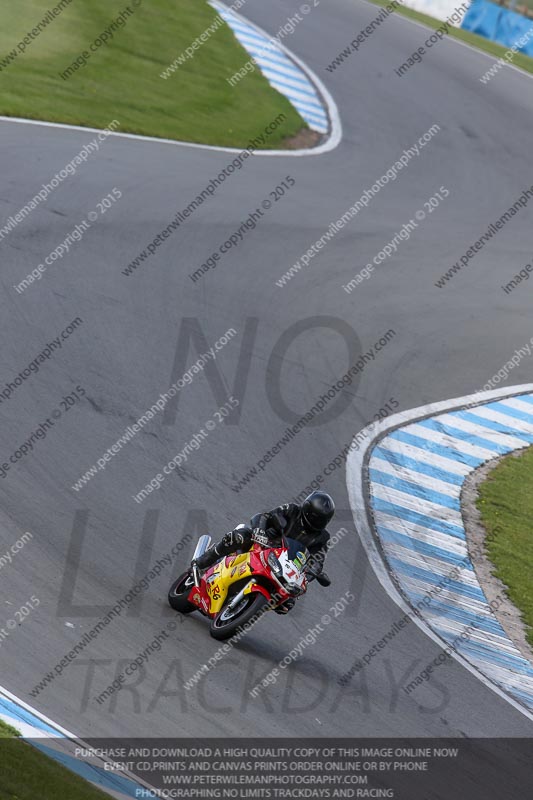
(201, 546)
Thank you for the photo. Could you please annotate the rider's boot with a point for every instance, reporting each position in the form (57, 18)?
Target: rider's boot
(323, 579)
(228, 544)
(285, 607)
(207, 559)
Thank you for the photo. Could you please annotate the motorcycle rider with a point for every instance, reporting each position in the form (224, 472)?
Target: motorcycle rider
(305, 523)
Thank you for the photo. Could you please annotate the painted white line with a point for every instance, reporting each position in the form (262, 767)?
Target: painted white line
(325, 147)
(356, 466)
(14, 699)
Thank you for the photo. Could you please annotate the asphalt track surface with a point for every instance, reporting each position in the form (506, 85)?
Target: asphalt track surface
(448, 343)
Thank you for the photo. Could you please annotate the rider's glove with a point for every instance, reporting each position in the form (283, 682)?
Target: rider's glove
(260, 536)
(232, 539)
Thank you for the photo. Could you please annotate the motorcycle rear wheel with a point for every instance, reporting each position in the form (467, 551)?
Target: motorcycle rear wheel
(178, 594)
(222, 627)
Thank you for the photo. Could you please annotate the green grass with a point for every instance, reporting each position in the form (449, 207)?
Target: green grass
(497, 50)
(26, 774)
(7, 731)
(506, 506)
(122, 80)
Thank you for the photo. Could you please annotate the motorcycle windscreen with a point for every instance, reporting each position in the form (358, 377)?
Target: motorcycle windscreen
(297, 552)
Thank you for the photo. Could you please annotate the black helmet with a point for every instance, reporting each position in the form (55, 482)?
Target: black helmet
(317, 510)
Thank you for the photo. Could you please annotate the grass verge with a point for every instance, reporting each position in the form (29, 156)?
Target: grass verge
(496, 50)
(121, 78)
(25, 773)
(506, 506)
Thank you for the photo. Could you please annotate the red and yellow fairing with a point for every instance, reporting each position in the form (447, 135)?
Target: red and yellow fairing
(227, 572)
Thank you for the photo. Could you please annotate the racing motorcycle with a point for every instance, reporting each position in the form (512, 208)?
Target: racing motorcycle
(240, 587)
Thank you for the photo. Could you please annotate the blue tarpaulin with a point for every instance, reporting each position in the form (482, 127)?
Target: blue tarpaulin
(499, 24)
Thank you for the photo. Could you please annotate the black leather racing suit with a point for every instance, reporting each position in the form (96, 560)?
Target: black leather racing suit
(284, 520)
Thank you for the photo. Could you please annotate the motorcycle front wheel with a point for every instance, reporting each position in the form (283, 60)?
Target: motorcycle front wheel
(228, 622)
(179, 592)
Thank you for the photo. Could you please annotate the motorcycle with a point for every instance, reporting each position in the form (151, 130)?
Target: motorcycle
(243, 586)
